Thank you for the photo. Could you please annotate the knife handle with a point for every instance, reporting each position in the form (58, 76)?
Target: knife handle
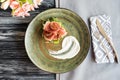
(115, 52)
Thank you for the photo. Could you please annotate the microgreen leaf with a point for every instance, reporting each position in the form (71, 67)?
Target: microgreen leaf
(29, 1)
(2, 0)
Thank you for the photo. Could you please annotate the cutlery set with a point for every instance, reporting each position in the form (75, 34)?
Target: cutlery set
(101, 30)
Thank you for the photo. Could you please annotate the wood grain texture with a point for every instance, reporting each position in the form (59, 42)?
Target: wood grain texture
(12, 32)
(14, 62)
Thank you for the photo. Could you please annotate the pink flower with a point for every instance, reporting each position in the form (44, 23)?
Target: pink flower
(28, 7)
(21, 12)
(36, 3)
(14, 5)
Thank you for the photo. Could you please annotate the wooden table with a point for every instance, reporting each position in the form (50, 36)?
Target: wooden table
(14, 62)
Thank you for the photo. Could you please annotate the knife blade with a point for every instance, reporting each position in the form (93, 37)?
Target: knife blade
(100, 28)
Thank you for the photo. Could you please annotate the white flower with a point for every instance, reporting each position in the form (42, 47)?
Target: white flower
(5, 4)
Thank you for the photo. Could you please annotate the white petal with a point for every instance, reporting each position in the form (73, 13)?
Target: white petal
(5, 4)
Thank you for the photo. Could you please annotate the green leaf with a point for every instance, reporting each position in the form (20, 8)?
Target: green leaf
(29, 1)
(53, 19)
(2, 0)
(23, 1)
(13, 10)
(56, 41)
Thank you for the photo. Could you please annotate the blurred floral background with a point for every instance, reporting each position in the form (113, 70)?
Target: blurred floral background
(20, 8)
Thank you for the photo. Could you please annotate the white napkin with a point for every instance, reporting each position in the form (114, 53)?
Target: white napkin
(100, 44)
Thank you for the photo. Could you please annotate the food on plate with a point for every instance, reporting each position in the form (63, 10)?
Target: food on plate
(53, 31)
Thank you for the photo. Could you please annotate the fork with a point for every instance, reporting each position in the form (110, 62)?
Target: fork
(97, 35)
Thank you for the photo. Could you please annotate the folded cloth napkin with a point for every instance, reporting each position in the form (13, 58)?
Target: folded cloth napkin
(100, 44)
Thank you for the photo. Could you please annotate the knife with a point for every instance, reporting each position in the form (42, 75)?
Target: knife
(100, 28)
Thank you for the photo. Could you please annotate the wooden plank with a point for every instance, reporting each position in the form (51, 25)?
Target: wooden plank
(11, 35)
(23, 67)
(12, 32)
(45, 77)
(12, 50)
(14, 26)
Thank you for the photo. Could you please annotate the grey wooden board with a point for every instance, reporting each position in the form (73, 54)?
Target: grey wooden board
(14, 62)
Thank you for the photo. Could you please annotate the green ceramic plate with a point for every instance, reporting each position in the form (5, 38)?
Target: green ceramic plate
(37, 48)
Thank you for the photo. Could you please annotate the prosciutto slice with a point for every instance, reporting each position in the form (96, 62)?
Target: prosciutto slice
(53, 31)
